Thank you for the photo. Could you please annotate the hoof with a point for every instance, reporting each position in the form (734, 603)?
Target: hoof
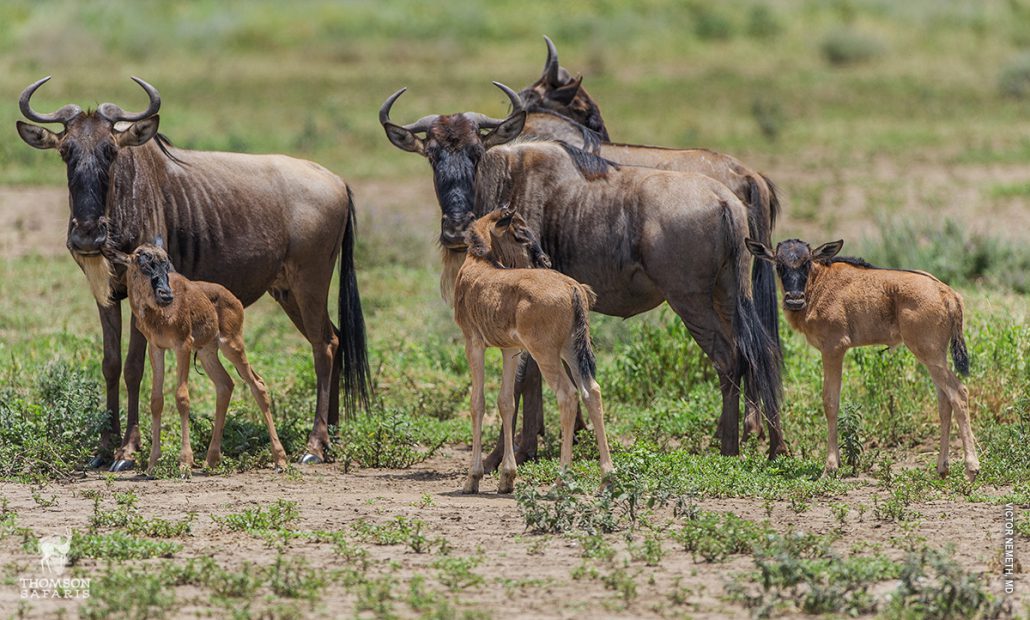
(971, 474)
(310, 459)
(506, 484)
(471, 487)
(123, 465)
(98, 462)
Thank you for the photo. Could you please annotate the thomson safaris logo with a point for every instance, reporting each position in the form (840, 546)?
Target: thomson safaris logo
(53, 562)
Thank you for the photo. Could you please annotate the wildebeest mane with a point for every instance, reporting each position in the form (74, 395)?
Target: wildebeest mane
(591, 139)
(163, 143)
(863, 264)
(591, 166)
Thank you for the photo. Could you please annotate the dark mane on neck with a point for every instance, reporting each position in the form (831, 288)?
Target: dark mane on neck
(854, 261)
(163, 143)
(591, 139)
(591, 166)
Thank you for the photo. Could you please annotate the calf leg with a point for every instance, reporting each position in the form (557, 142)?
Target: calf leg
(235, 353)
(182, 403)
(958, 397)
(506, 405)
(591, 393)
(157, 405)
(223, 394)
(833, 362)
(476, 353)
(554, 373)
(944, 410)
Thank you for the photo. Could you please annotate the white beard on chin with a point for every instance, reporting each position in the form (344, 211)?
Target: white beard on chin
(98, 273)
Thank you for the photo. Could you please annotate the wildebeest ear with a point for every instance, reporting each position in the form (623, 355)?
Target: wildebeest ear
(38, 137)
(565, 94)
(827, 250)
(139, 132)
(506, 131)
(759, 250)
(404, 139)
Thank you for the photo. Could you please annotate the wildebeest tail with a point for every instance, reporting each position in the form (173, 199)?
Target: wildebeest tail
(763, 277)
(582, 298)
(959, 353)
(356, 375)
(758, 355)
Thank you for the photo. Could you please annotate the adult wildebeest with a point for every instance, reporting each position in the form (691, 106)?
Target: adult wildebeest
(252, 223)
(560, 108)
(842, 302)
(624, 231)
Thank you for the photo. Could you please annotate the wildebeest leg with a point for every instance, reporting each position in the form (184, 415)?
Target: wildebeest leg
(182, 403)
(833, 362)
(506, 406)
(157, 405)
(554, 373)
(334, 383)
(223, 394)
(958, 397)
(111, 325)
(944, 410)
(476, 353)
(592, 398)
(529, 391)
(125, 459)
(234, 352)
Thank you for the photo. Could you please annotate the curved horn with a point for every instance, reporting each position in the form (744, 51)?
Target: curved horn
(421, 125)
(487, 122)
(114, 113)
(63, 115)
(551, 66)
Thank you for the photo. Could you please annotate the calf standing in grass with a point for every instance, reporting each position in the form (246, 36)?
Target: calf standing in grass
(500, 300)
(202, 317)
(840, 303)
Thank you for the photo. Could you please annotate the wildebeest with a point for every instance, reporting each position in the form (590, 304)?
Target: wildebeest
(502, 299)
(189, 318)
(843, 302)
(559, 108)
(636, 236)
(252, 223)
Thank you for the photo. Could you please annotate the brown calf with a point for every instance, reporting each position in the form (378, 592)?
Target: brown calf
(500, 301)
(840, 303)
(203, 317)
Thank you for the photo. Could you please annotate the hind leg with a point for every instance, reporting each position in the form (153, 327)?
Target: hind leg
(591, 393)
(233, 350)
(958, 398)
(944, 410)
(223, 394)
(553, 371)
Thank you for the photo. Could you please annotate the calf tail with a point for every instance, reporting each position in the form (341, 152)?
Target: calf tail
(761, 215)
(582, 297)
(959, 353)
(356, 374)
(759, 357)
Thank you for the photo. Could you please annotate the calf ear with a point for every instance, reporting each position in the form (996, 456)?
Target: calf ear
(139, 132)
(116, 256)
(37, 137)
(506, 131)
(759, 250)
(404, 139)
(827, 250)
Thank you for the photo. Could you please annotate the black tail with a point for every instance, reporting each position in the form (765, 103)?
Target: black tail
(356, 374)
(581, 337)
(759, 357)
(763, 278)
(959, 354)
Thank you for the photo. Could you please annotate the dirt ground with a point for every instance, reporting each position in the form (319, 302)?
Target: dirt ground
(328, 499)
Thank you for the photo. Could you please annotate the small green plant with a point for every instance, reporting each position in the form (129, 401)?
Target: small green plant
(389, 439)
(714, 536)
(399, 531)
(292, 578)
(280, 515)
(119, 546)
(456, 573)
(849, 425)
(934, 585)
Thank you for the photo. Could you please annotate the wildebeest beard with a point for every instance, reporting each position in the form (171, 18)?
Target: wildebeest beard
(454, 159)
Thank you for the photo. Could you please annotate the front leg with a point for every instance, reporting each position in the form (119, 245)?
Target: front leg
(833, 362)
(182, 402)
(476, 354)
(111, 326)
(157, 404)
(125, 459)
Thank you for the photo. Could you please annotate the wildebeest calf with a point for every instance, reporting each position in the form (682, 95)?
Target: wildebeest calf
(500, 301)
(187, 316)
(840, 303)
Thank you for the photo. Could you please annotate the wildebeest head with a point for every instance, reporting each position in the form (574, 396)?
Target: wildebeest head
(88, 145)
(454, 144)
(152, 262)
(793, 259)
(503, 238)
(558, 91)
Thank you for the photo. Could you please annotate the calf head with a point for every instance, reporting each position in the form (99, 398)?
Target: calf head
(558, 91)
(89, 144)
(454, 144)
(503, 238)
(793, 259)
(151, 262)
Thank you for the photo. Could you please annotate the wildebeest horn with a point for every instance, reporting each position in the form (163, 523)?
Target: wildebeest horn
(551, 66)
(114, 113)
(485, 122)
(421, 125)
(63, 115)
